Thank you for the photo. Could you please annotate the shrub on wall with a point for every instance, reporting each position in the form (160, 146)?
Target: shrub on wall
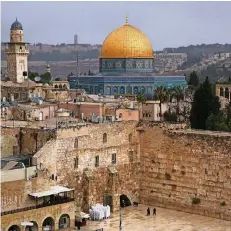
(196, 201)
(167, 176)
(223, 203)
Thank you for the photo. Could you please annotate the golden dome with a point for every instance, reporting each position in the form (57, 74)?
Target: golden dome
(126, 42)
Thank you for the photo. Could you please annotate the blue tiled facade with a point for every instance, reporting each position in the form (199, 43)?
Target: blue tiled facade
(118, 84)
(126, 65)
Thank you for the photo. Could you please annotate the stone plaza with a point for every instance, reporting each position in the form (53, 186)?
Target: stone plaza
(134, 218)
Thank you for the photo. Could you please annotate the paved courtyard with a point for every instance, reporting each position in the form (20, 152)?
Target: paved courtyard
(135, 219)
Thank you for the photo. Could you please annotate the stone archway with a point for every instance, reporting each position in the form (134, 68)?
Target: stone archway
(48, 224)
(64, 221)
(14, 228)
(32, 228)
(124, 201)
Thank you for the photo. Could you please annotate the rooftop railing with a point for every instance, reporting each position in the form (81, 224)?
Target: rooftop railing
(49, 203)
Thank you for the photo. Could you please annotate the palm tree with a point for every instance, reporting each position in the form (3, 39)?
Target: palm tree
(161, 93)
(141, 97)
(178, 94)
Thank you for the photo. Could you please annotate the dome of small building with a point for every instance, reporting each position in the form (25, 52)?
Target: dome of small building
(16, 25)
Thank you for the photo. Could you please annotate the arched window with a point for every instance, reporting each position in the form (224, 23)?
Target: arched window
(221, 91)
(76, 143)
(104, 137)
(64, 221)
(60, 86)
(130, 137)
(226, 93)
(56, 86)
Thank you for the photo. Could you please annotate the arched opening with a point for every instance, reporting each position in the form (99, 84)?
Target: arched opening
(130, 137)
(142, 89)
(60, 86)
(56, 86)
(129, 90)
(124, 201)
(122, 90)
(32, 228)
(14, 228)
(226, 93)
(221, 91)
(64, 221)
(64, 86)
(48, 224)
(104, 137)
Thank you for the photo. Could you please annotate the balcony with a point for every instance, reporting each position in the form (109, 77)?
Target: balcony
(42, 205)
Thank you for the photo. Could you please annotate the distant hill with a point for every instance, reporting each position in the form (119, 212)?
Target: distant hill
(196, 53)
(66, 52)
(62, 52)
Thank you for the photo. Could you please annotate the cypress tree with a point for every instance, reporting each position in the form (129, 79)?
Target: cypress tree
(204, 104)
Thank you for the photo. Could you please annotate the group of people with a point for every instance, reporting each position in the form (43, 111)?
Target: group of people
(148, 212)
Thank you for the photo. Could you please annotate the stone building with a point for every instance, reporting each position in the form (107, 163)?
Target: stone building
(223, 90)
(102, 158)
(29, 195)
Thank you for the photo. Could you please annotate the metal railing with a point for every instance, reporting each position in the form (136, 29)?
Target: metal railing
(60, 201)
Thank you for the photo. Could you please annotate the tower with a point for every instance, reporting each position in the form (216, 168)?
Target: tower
(17, 52)
(48, 68)
(75, 39)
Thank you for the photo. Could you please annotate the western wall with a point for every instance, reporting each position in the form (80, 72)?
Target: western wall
(176, 169)
(187, 171)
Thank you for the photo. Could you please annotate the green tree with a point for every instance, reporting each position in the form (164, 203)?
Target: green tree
(228, 113)
(58, 79)
(46, 78)
(217, 122)
(193, 79)
(204, 104)
(32, 75)
(141, 97)
(161, 94)
(178, 94)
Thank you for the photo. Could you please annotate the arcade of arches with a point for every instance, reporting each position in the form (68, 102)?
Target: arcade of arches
(224, 90)
(52, 217)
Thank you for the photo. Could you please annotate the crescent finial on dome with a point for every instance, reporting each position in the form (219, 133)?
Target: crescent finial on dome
(127, 19)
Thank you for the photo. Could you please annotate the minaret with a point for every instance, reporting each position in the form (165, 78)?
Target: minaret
(48, 68)
(17, 52)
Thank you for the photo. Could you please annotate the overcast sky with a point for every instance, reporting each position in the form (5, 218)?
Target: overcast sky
(167, 24)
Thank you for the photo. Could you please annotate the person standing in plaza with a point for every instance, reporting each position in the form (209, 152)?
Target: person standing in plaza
(154, 211)
(148, 211)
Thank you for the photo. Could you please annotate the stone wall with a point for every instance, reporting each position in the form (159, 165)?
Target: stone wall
(14, 194)
(93, 182)
(178, 166)
(18, 141)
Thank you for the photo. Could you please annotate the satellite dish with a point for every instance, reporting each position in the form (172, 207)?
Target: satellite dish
(37, 78)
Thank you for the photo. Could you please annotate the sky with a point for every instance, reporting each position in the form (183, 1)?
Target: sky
(167, 24)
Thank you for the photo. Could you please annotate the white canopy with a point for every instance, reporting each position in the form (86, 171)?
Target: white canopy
(53, 190)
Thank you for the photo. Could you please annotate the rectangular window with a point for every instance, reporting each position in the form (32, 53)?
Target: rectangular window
(15, 150)
(97, 161)
(131, 156)
(113, 158)
(76, 162)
